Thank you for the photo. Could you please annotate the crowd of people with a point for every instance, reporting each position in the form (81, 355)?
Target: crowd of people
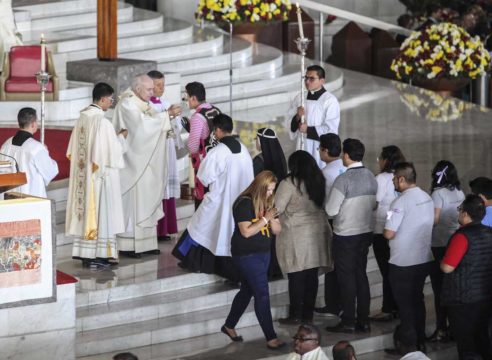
(316, 214)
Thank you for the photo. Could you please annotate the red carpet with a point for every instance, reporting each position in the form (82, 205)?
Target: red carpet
(57, 143)
(64, 278)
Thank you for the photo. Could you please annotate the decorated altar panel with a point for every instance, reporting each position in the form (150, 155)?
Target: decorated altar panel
(26, 252)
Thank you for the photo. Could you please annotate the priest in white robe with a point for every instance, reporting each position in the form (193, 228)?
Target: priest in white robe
(94, 209)
(145, 171)
(307, 344)
(321, 113)
(31, 156)
(227, 171)
(168, 224)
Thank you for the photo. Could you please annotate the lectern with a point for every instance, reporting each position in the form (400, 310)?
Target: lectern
(11, 181)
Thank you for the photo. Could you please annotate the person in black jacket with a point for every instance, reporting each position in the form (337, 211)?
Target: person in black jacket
(467, 283)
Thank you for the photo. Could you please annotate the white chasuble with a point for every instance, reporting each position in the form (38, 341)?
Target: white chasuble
(316, 354)
(33, 159)
(323, 114)
(94, 207)
(143, 179)
(227, 174)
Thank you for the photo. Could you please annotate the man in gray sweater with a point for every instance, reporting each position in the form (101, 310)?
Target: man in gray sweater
(351, 202)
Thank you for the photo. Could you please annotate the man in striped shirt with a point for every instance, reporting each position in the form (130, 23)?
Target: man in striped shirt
(201, 138)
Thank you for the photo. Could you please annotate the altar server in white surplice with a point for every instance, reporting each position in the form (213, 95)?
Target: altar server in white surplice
(227, 171)
(32, 157)
(143, 178)
(321, 113)
(94, 210)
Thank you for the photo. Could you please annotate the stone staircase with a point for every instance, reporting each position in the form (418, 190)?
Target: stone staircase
(180, 315)
(262, 76)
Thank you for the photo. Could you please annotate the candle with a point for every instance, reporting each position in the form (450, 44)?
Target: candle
(299, 21)
(43, 54)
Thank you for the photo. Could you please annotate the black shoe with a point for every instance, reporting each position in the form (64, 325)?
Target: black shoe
(439, 336)
(131, 254)
(290, 321)
(362, 328)
(307, 320)
(392, 351)
(382, 317)
(325, 311)
(153, 252)
(341, 328)
(164, 238)
(237, 338)
(280, 345)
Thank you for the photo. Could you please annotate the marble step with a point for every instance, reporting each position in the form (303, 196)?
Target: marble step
(173, 31)
(57, 8)
(183, 326)
(266, 62)
(166, 304)
(216, 346)
(75, 20)
(143, 21)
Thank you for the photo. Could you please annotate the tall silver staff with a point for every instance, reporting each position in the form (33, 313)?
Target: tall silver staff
(302, 45)
(43, 78)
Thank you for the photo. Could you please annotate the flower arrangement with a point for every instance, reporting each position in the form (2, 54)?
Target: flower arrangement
(251, 11)
(444, 50)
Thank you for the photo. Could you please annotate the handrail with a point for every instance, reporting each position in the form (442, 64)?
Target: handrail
(344, 14)
(365, 20)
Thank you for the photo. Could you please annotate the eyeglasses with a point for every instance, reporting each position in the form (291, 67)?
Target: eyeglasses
(301, 339)
(459, 208)
(111, 99)
(310, 78)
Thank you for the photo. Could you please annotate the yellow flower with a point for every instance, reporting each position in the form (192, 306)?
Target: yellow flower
(436, 69)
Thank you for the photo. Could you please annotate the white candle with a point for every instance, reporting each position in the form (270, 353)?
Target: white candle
(299, 21)
(43, 54)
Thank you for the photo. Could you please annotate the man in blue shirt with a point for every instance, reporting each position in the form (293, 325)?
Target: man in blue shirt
(482, 187)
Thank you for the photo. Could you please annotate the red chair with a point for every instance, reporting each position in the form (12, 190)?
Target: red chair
(18, 79)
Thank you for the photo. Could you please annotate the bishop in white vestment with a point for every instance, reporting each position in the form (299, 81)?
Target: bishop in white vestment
(8, 33)
(321, 113)
(94, 208)
(32, 157)
(143, 178)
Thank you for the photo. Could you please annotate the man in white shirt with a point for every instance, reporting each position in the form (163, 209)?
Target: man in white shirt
(32, 157)
(409, 230)
(321, 113)
(307, 344)
(330, 148)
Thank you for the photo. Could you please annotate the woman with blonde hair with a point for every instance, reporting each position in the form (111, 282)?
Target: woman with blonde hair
(254, 223)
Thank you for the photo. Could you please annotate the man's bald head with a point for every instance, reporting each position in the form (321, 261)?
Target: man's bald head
(143, 87)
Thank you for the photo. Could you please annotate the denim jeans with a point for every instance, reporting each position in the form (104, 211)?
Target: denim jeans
(253, 269)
